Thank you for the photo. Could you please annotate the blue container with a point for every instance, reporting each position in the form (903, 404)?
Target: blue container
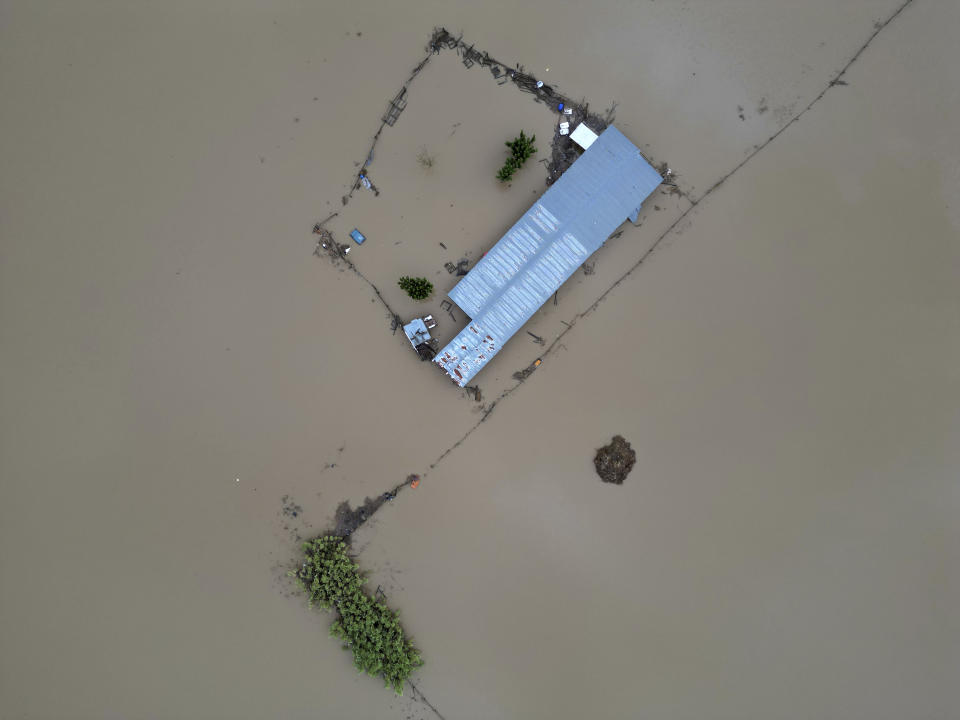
(357, 236)
(560, 106)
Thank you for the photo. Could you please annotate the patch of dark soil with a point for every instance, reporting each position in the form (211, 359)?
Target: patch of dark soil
(348, 519)
(615, 461)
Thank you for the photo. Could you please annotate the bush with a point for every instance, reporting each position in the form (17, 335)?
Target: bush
(418, 288)
(366, 626)
(425, 159)
(521, 150)
(507, 171)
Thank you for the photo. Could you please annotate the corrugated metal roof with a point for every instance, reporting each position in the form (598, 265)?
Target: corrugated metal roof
(564, 227)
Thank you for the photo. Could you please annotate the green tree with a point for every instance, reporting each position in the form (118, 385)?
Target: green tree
(418, 288)
(521, 150)
(364, 625)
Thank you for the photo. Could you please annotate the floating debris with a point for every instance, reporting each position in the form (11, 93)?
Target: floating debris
(396, 107)
(527, 371)
(290, 508)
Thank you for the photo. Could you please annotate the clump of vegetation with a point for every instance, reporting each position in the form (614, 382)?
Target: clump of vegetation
(425, 159)
(521, 150)
(615, 461)
(418, 288)
(366, 626)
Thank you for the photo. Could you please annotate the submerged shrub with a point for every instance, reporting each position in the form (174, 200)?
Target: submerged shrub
(507, 171)
(364, 625)
(425, 159)
(418, 288)
(521, 149)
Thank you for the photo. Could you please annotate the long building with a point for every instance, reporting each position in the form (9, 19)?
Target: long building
(603, 188)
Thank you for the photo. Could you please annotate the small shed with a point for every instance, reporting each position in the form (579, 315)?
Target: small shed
(416, 332)
(583, 136)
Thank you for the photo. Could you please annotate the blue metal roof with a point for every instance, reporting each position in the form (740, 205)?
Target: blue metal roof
(572, 219)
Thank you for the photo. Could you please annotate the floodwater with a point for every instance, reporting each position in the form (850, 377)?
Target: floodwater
(185, 390)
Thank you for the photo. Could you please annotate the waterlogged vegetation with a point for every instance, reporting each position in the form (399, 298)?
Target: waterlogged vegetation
(364, 625)
(521, 150)
(425, 159)
(419, 288)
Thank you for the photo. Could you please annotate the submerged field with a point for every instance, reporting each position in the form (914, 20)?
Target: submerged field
(187, 392)
(450, 209)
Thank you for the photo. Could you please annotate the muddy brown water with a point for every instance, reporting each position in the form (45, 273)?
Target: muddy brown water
(177, 371)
